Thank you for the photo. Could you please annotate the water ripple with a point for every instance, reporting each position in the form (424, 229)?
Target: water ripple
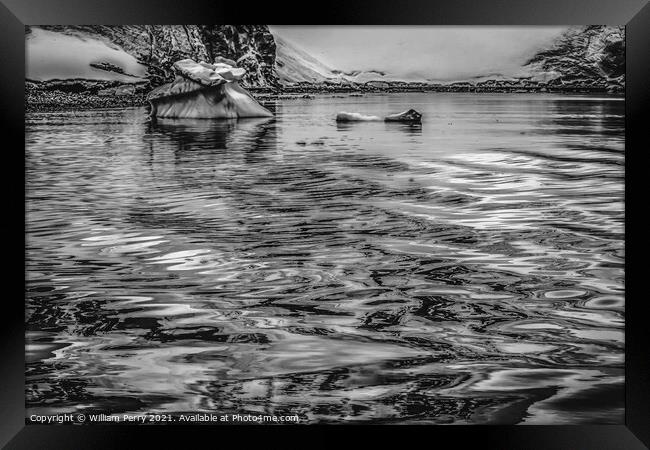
(468, 270)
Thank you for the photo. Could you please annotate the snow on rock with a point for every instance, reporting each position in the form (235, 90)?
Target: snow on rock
(406, 116)
(205, 91)
(208, 74)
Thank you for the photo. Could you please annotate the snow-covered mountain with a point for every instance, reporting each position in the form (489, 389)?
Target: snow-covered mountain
(591, 56)
(294, 65)
(587, 55)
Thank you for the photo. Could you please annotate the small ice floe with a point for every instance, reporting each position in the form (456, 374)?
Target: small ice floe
(344, 116)
(205, 91)
(410, 116)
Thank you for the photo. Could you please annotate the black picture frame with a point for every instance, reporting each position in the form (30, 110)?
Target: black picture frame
(15, 14)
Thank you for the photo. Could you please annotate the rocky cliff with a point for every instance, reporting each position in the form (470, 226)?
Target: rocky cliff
(589, 56)
(159, 46)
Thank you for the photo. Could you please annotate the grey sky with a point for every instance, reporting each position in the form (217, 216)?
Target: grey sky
(434, 52)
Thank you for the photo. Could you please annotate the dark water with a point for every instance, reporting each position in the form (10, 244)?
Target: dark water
(468, 270)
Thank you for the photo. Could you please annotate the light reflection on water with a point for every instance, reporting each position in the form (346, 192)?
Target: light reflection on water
(468, 270)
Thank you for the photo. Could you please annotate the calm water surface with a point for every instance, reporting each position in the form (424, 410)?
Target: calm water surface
(468, 270)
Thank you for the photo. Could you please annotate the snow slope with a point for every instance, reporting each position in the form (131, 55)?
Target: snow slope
(294, 65)
(51, 55)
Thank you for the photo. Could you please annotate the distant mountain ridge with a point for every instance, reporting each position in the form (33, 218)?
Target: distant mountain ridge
(294, 65)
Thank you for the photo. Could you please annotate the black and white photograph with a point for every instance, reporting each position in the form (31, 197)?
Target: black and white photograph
(325, 224)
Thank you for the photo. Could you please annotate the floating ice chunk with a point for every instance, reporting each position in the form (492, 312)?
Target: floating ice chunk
(344, 116)
(205, 91)
(222, 60)
(201, 72)
(410, 115)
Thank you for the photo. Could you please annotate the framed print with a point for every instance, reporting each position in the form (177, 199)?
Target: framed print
(401, 220)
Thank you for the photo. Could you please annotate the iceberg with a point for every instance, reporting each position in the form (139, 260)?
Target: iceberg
(410, 116)
(205, 91)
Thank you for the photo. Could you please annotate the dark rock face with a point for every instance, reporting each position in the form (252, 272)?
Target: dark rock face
(592, 55)
(251, 47)
(407, 116)
(108, 67)
(158, 46)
